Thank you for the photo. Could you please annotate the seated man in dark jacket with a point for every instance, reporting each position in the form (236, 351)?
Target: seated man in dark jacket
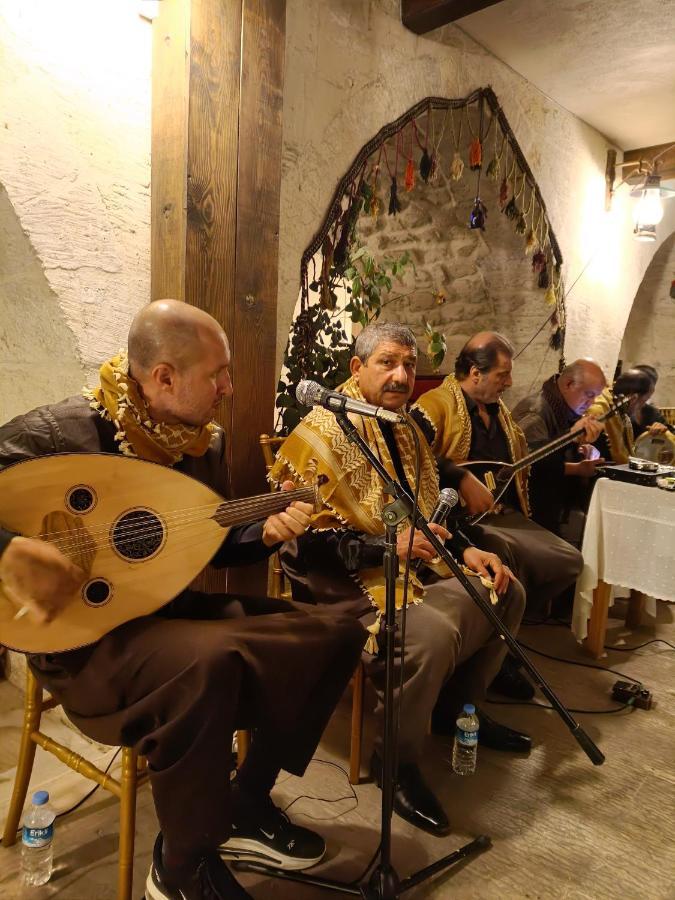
(175, 685)
(560, 484)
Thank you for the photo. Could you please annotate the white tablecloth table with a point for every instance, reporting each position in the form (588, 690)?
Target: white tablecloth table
(629, 541)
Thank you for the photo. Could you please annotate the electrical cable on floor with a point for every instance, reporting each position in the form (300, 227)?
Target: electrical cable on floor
(640, 646)
(350, 796)
(574, 662)
(590, 712)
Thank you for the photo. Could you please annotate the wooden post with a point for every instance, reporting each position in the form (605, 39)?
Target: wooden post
(597, 624)
(218, 69)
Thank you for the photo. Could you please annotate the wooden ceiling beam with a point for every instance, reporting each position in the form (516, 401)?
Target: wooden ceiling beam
(664, 165)
(422, 16)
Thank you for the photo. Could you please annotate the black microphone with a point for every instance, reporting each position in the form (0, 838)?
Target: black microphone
(447, 499)
(310, 393)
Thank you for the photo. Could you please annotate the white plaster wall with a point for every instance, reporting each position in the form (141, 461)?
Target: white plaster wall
(75, 165)
(351, 67)
(651, 325)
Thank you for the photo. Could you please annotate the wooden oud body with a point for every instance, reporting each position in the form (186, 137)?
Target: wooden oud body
(140, 531)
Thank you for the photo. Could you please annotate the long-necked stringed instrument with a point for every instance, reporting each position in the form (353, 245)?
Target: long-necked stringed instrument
(499, 475)
(140, 531)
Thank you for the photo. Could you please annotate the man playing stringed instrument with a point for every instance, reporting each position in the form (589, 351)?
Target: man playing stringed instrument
(451, 650)
(560, 483)
(175, 685)
(466, 420)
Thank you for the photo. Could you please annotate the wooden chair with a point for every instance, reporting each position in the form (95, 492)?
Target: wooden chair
(133, 772)
(277, 586)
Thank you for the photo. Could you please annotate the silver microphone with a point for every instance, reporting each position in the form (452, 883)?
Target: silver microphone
(447, 498)
(310, 393)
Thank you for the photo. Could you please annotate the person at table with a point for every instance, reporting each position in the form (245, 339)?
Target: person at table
(618, 440)
(465, 419)
(176, 684)
(560, 484)
(649, 418)
(452, 652)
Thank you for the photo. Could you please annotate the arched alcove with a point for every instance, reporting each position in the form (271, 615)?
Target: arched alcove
(650, 330)
(439, 224)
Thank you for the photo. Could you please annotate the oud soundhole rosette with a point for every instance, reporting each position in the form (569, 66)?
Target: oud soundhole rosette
(138, 535)
(81, 499)
(97, 592)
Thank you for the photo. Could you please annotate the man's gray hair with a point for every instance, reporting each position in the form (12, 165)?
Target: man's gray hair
(378, 332)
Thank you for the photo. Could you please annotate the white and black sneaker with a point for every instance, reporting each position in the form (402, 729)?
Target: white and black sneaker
(273, 841)
(211, 880)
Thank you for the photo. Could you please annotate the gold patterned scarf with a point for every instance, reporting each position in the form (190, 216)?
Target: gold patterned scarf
(618, 429)
(119, 399)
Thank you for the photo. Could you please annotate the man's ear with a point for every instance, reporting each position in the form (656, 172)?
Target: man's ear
(163, 376)
(474, 373)
(354, 365)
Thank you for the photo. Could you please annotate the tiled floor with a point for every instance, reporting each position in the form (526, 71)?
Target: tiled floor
(561, 828)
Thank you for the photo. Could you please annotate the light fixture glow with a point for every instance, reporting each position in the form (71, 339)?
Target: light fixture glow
(646, 233)
(649, 209)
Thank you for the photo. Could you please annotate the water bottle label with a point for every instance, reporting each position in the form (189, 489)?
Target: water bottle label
(468, 738)
(37, 837)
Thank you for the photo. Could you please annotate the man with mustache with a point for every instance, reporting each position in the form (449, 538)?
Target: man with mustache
(560, 484)
(176, 684)
(465, 419)
(451, 651)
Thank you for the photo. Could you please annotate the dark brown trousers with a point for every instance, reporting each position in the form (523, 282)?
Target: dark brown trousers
(176, 685)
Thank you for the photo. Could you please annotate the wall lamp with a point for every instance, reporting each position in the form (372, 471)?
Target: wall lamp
(647, 189)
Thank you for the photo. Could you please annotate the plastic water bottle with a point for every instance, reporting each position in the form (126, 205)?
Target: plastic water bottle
(37, 851)
(465, 748)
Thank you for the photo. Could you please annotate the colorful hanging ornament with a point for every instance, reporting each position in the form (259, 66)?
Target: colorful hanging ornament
(457, 167)
(478, 215)
(492, 170)
(521, 224)
(530, 242)
(425, 165)
(555, 342)
(475, 154)
(550, 297)
(410, 175)
(394, 202)
(511, 211)
(503, 193)
(433, 171)
(538, 262)
(543, 280)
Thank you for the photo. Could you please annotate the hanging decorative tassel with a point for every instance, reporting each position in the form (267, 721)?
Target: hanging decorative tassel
(543, 281)
(550, 297)
(492, 170)
(475, 154)
(457, 167)
(556, 339)
(511, 211)
(503, 194)
(538, 262)
(478, 215)
(366, 197)
(530, 242)
(433, 172)
(394, 202)
(521, 224)
(375, 206)
(410, 175)
(425, 165)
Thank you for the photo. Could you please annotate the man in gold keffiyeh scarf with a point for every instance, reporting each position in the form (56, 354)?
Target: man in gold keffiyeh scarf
(452, 652)
(176, 684)
(465, 419)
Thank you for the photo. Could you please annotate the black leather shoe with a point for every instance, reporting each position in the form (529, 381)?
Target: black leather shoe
(511, 683)
(499, 737)
(414, 800)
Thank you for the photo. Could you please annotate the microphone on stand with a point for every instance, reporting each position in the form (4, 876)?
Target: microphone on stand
(310, 393)
(447, 499)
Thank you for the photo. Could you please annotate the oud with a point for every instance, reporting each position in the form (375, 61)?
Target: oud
(140, 531)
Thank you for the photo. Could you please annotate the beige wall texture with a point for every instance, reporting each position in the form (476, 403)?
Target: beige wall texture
(75, 199)
(650, 333)
(351, 68)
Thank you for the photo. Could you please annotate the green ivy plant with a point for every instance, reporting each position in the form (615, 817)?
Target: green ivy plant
(318, 343)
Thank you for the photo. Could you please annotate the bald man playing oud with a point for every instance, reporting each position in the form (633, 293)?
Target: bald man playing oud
(176, 684)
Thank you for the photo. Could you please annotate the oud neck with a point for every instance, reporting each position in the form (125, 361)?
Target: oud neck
(253, 509)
